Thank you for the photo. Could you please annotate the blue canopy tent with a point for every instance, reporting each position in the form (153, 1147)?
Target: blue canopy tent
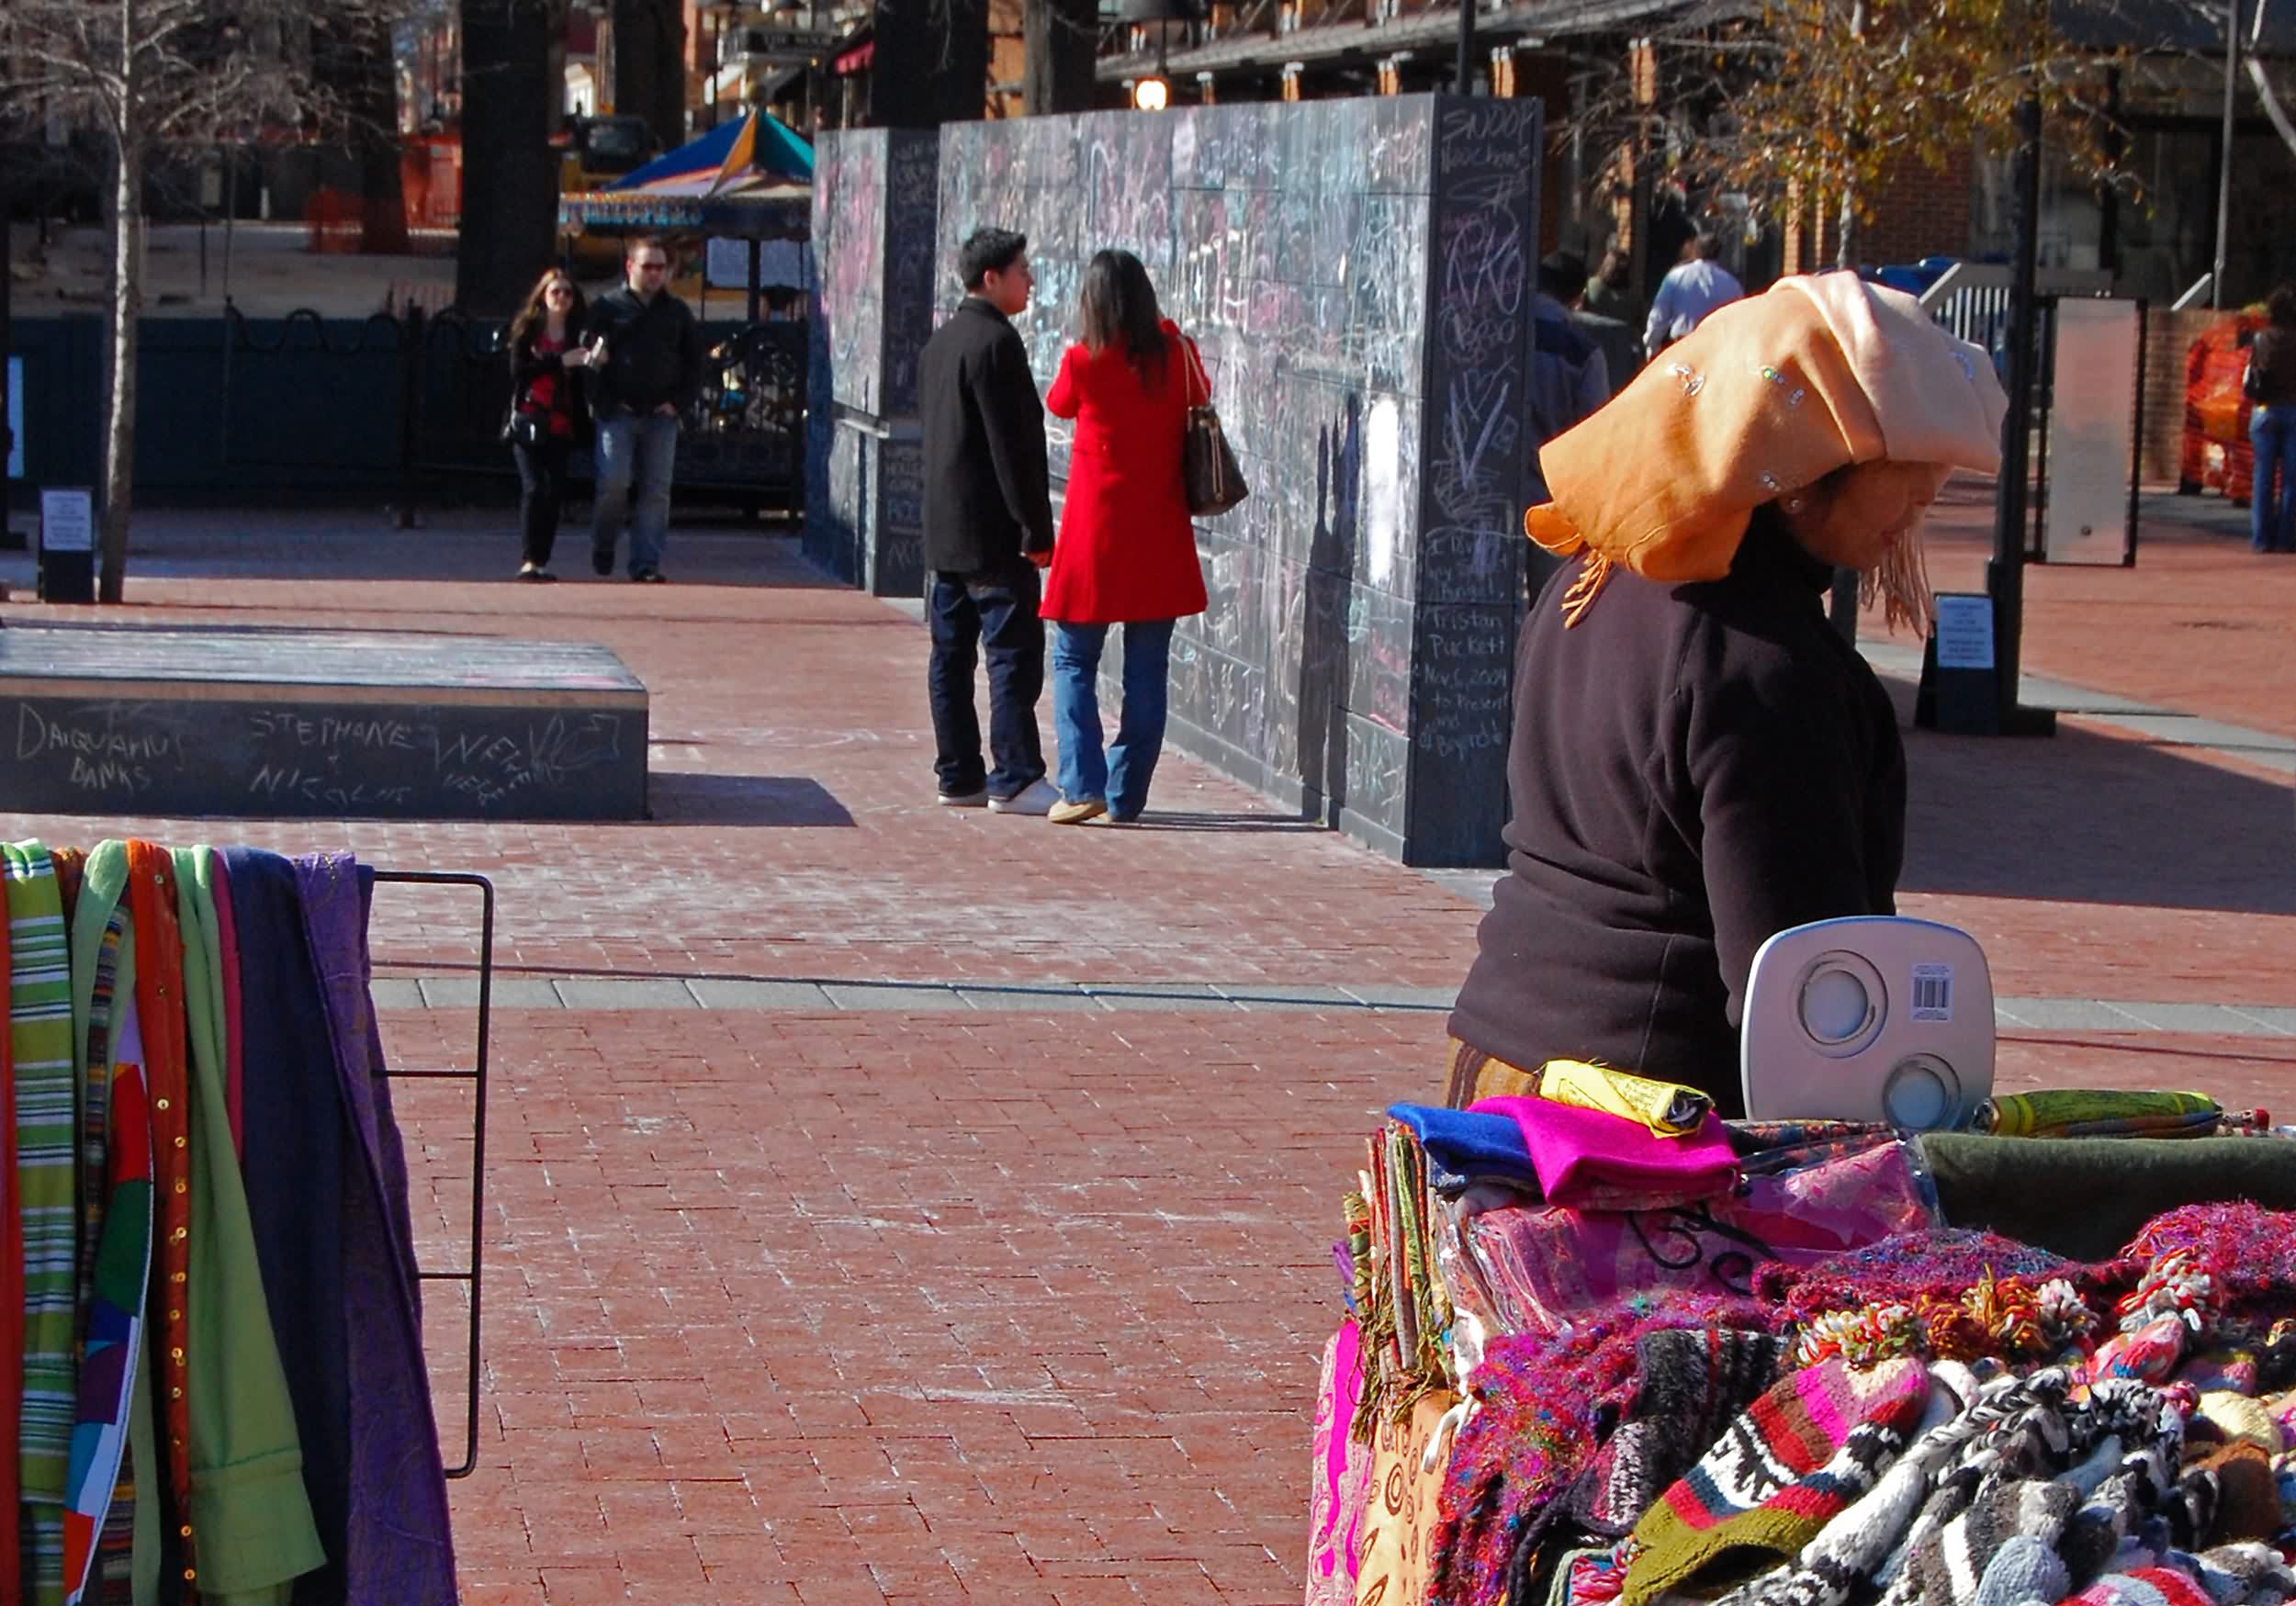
(759, 148)
(746, 180)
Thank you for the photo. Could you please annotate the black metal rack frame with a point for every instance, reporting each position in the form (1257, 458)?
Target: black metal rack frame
(474, 1274)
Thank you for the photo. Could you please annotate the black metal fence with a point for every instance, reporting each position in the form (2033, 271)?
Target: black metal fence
(405, 410)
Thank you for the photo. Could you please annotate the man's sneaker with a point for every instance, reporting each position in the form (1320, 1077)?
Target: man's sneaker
(1077, 812)
(1036, 797)
(963, 800)
(650, 577)
(602, 560)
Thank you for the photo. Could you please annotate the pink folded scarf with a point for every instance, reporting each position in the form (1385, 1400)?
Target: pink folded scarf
(1580, 1154)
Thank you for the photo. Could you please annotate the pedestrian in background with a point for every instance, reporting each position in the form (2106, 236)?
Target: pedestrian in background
(988, 529)
(1569, 374)
(2271, 385)
(1609, 294)
(549, 412)
(647, 361)
(1127, 549)
(1692, 288)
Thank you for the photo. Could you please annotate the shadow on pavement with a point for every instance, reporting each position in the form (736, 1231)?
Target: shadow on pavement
(1176, 820)
(676, 797)
(2085, 817)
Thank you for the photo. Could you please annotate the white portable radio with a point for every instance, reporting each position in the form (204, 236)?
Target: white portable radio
(1872, 1018)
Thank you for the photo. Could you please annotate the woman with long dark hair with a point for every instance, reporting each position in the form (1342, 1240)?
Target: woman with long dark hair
(1126, 554)
(548, 416)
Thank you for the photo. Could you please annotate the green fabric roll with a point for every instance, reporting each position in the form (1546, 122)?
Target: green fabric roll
(2086, 1197)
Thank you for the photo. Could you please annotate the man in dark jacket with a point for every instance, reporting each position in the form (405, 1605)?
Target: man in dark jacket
(649, 373)
(988, 529)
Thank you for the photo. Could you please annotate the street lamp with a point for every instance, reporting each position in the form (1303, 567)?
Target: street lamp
(1153, 93)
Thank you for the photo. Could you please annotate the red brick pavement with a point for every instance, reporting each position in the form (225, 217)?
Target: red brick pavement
(846, 1308)
(2092, 865)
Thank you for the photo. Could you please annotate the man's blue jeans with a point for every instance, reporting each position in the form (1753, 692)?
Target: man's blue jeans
(641, 449)
(1120, 776)
(2272, 519)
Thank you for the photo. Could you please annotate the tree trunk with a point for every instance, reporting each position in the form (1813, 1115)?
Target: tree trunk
(931, 65)
(1061, 40)
(1845, 252)
(509, 184)
(373, 97)
(119, 363)
(650, 75)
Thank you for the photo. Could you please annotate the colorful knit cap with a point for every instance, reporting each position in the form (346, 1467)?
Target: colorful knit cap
(1794, 1459)
(1767, 395)
(1692, 1382)
(2151, 1585)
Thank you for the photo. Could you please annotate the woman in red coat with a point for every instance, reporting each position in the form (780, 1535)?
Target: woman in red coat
(1127, 550)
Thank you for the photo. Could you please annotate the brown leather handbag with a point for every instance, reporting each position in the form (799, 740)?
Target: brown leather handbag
(1215, 483)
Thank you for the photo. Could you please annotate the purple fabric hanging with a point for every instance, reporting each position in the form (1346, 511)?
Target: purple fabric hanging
(400, 1550)
(298, 1142)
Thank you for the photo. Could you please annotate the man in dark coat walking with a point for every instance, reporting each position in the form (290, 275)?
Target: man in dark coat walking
(988, 530)
(649, 372)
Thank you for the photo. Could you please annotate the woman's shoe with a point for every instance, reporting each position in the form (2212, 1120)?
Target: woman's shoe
(1077, 812)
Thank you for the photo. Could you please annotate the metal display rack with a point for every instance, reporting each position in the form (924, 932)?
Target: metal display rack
(473, 1275)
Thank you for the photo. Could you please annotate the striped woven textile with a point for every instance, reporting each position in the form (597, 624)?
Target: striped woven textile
(40, 1027)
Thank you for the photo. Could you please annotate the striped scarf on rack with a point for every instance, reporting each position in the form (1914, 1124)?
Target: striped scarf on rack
(99, 1518)
(40, 1027)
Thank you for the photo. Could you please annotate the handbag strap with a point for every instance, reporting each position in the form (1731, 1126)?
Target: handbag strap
(1196, 366)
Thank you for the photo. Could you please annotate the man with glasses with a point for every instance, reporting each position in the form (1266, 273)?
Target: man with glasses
(646, 372)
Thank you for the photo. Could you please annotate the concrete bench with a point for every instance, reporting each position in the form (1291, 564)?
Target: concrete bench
(106, 719)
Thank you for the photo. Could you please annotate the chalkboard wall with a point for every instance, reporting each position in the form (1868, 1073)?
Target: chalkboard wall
(1359, 275)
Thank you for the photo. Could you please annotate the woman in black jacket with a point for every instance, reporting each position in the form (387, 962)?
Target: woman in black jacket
(1698, 762)
(547, 414)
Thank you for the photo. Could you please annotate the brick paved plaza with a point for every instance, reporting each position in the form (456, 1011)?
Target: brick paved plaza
(887, 1202)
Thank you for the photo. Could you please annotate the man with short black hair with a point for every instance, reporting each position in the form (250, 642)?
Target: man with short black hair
(988, 530)
(649, 373)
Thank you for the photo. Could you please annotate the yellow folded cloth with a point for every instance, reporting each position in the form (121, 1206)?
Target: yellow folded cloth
(1666, 1108)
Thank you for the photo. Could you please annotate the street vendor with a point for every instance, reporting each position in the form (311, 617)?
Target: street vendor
(1698, 759)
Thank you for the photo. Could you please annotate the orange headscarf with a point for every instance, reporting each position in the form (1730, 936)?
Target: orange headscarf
(1767, 395)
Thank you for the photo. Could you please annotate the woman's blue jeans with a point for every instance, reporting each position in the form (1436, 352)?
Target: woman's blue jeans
(2272, 519)
(1119, 776)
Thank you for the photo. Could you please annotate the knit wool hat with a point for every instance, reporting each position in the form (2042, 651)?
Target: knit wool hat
(1692, 1382)
(1963, 1556)
(2022, 1571)
(1793, 1460)
(1768, 395)
(2151, 1585)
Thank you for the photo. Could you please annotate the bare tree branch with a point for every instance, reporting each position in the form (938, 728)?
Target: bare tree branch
(140, 72)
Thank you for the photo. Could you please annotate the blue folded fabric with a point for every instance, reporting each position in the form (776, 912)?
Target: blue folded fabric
(1466, 1145)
